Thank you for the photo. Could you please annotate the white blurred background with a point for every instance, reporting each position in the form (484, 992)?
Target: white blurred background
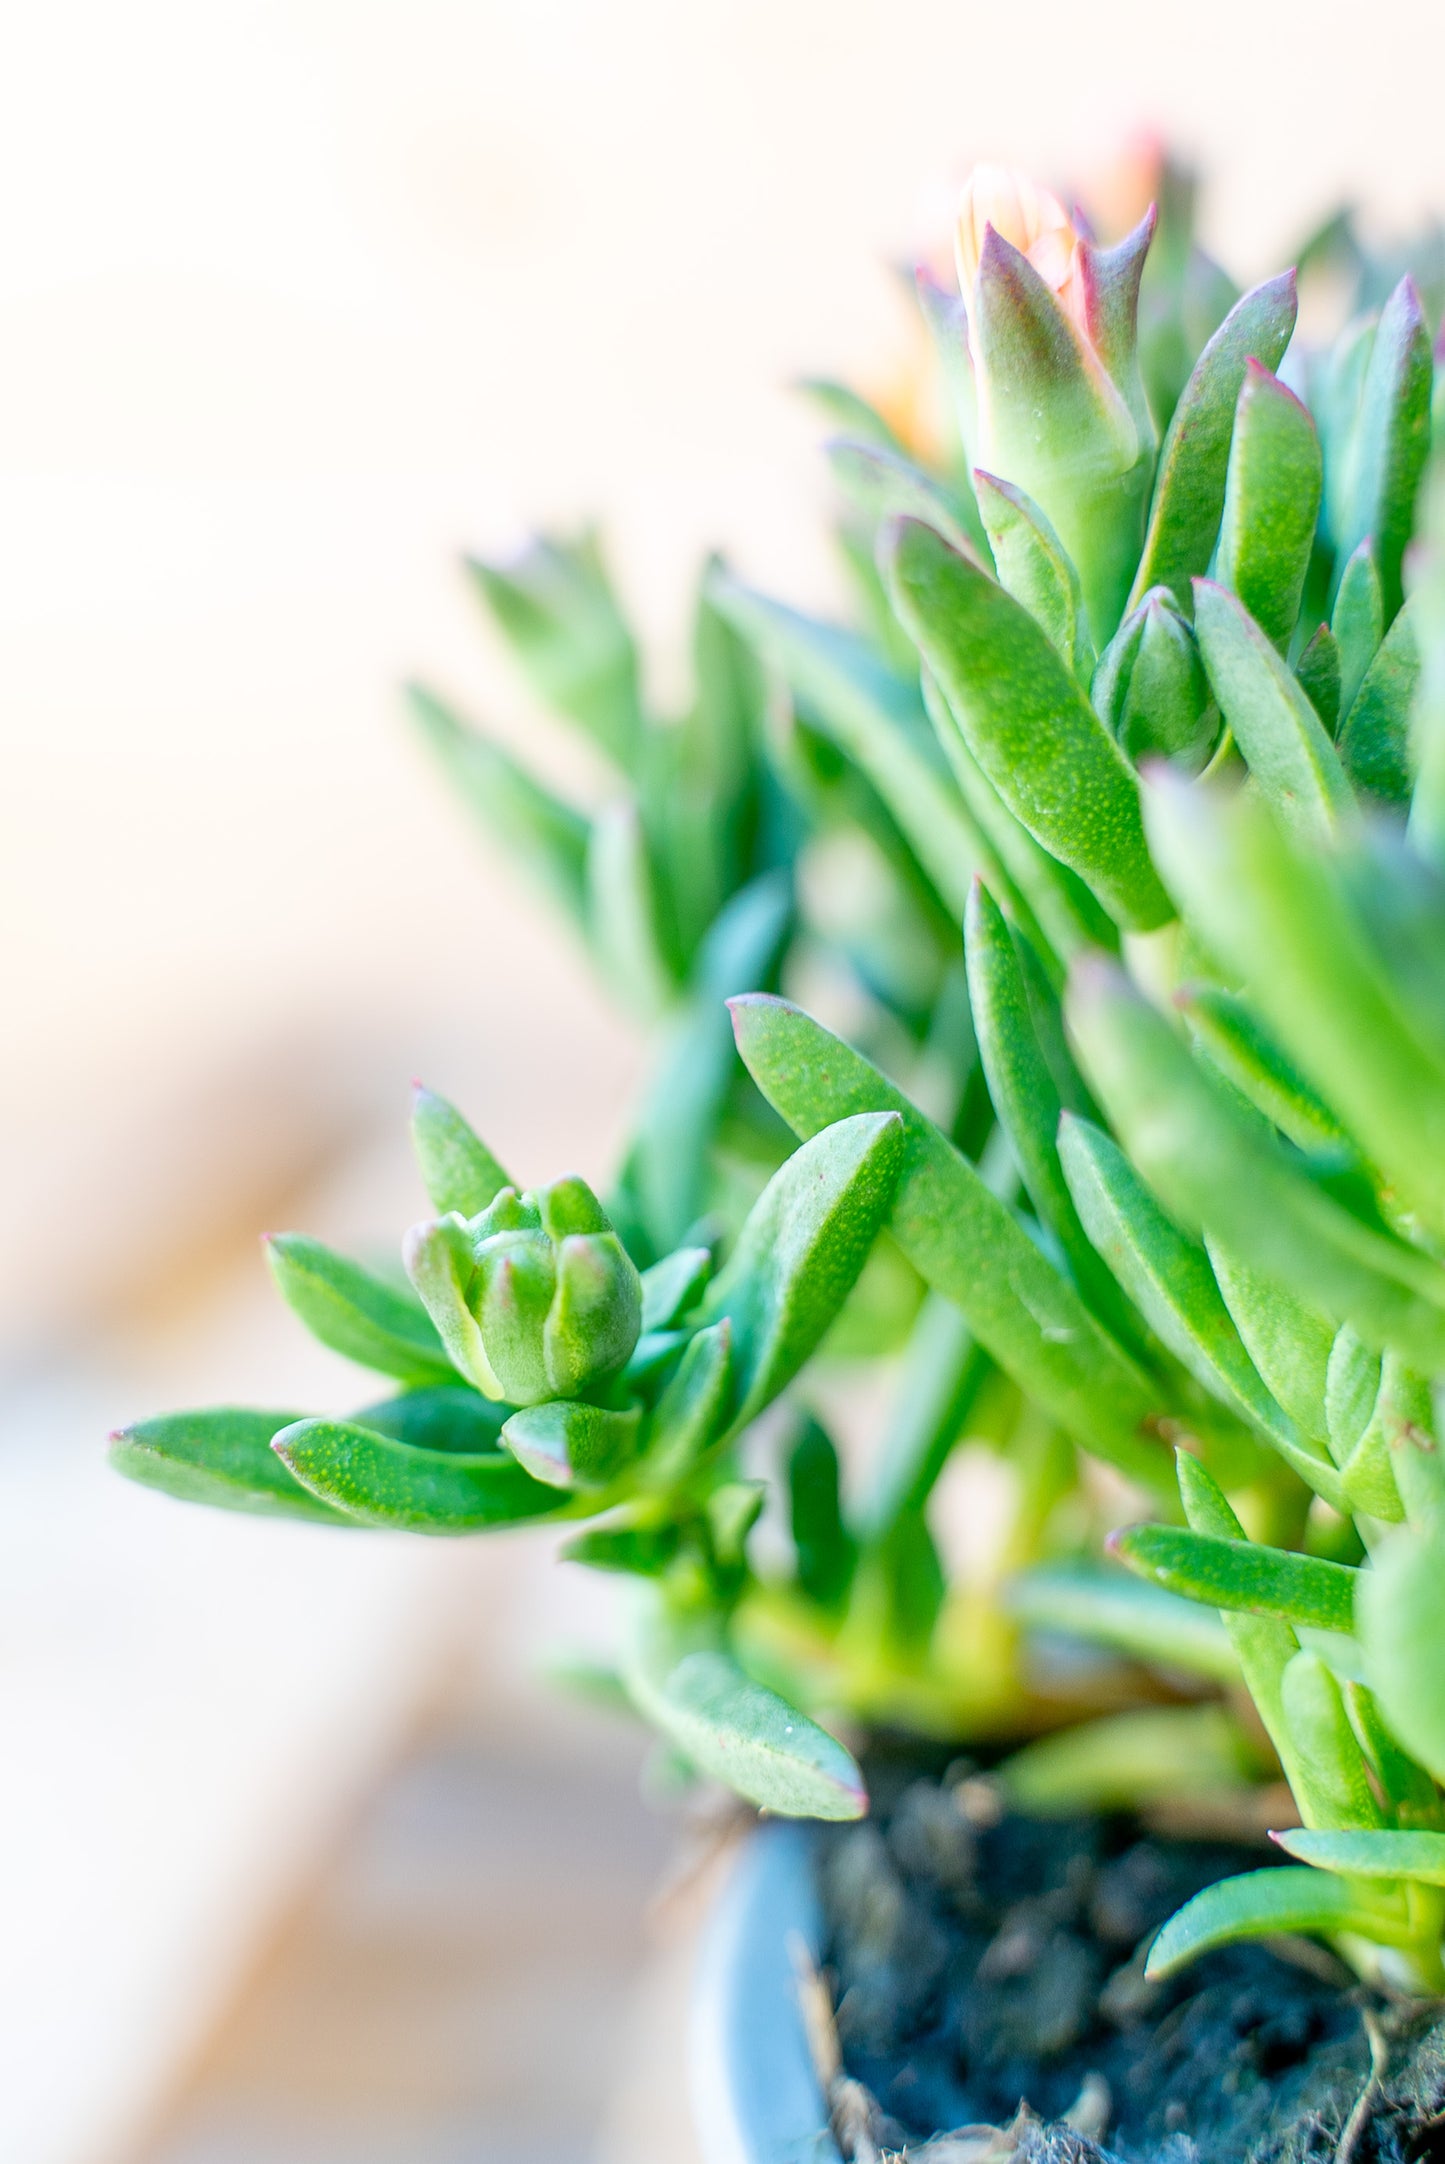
(296, 302)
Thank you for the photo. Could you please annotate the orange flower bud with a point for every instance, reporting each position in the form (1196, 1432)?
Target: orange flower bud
(1032, 220)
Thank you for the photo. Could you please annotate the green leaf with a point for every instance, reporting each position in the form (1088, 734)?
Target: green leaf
(964, 1241)
(1034, 567)
(943, 1372)
(549, 835)
(221, 1456)
(1132, 1615)
(1026, 721)
(565, 1443)
(1150, 687)
(1125, 1761)
(1368, 1852)
(1271, 503)
(1390, 441)
(458, 1171)
(825, 1551)
(1055, 423)
(1239, 1046)
(874, 718)
(744, 1735)
(1357, 622)
(441, 1263)
(556, 607)
(799, 1254)
(1050, 903)
(639, 1551)
(1170, 1280)
(1326, 1743)
(850, 414)
(1184, 518)
(1026, 1101)
(1319, 673)
(444, 1416)
(886, 483)
(1288, 1341)
(1401, 1611)
(622, 909)
(1243, 1574)
(1375, 742)
(1277, 913)
(1262, 1904)
(1275, 726)
(674, 1285)
(355, 1313)
(692, 1412)
(1401, 1411)
(1212, 1168)
(383, 1482)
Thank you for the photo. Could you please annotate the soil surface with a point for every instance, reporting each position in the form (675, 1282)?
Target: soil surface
(981, 1962)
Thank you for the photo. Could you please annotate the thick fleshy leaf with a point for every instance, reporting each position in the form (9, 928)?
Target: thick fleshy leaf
(355, 1313)
(1357, 622)
(1319, 1726)
(824, 1548)
(441, 1263)
(692, 1412)
(743, 1734)
(1271, 503)
(1242, 1574)
(1214, 1169)
(1402, 1412)
(442, 1416)
(1262, 1904)
(1170, 1280)
(1026, 1101)
(1026, 721)
(1375, 741)
(1390, 441)
(222, 1457)
(674, 1285)
(1150, 687)
(1132, 1615)
(874, 717)
(1288, 1340)
(1188, 503)
(556, 607)
(1050, 902)
(1052, 422)
(568, 1444)
(622, 909)
(887, 484)
(964, 1241)
(384, 1482)
(1275, 726)
(1034, 567)
(1246, 1055)
(1319, 672)
(549, 835)
(1370, 1852)
(851, 414)
(1401, 1617)
(943, 1371)
(799, 1254)
(458, 1171)
(1277, 913)
(639, 1551)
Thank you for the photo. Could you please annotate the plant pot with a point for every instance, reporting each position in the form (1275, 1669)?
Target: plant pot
(756, 2097)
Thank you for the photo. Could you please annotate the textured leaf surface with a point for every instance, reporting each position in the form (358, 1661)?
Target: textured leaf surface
(458, 1171)
(1375, 744)
(1026, 721)
(1369, 1852)
(567, 1444)
(1194, 460)
(1261, 1904)
(1271, 503)
(1390, 440)
(800, 1252)
(384, 1482)
(1275, 726)
(355, 1313)
(222, 1457)
(963, 1240)
(746, 1736)
(1297, 1589)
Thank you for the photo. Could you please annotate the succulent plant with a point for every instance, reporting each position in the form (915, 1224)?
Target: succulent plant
(1145, 1173)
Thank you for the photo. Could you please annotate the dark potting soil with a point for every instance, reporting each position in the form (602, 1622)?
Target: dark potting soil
(976, 1967)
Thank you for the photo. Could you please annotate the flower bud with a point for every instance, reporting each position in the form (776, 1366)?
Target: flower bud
(1150, 687)
(1032, 220)
(536, 1298)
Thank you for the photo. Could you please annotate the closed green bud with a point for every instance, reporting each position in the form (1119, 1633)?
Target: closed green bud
(552, 1302)
(1150, 687)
